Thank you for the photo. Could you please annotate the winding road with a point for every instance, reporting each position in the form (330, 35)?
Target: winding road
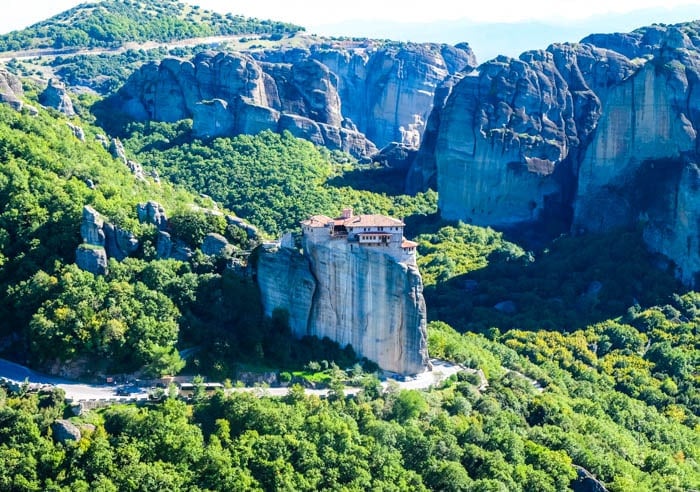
(80, 392)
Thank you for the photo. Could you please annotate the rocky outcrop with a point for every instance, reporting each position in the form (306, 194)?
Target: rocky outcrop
(508, 136)
(64, 431)
(215, 244)
(11, 90)
(78, 131)
(601, 134)
(422, 172)
(92, 259)
(347, 97)
(358, 296)
(643, 121)
(152, 213)
(586, 482)
(250, 230)
(396, 156)
(102, 240)
(387, 90)
(56, 96)
(286, 282)
(119, 243)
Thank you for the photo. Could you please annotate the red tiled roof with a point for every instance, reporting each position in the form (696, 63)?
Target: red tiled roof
(373, 220)
(317, 221)
(408, 244)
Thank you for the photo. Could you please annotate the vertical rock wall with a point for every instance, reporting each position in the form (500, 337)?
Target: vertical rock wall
(353, 295)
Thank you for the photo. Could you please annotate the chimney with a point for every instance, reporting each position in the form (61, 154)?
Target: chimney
(347, 213)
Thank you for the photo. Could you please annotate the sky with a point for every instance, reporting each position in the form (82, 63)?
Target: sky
(410, 20)
(310, 13)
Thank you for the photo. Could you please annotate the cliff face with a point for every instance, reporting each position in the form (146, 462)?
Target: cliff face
(388, 91)
(352, 97)
(353, 295)
(509, 133)
(603, 132)
(11, 90)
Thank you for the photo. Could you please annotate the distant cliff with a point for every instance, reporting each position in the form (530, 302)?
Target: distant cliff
(349, 96)
(600, 134)
(357, 295)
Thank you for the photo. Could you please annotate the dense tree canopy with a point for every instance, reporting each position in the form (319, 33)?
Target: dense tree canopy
(272, 180)
(589, 352)
(112, 23)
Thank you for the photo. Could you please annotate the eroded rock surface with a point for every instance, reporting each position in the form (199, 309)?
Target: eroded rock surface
(354, 295)
(600, 134)
(11, 90)
(56, 96)
(351, 97)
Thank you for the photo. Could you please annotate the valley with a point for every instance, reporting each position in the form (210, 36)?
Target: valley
(405, 268)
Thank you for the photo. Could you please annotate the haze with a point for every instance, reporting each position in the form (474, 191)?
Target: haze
(506, 27)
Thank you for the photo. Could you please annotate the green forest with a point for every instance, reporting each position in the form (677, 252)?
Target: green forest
(112, 23)
(615, 367)
(589, 346)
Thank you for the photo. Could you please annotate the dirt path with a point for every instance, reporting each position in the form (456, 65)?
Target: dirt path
(149, 45)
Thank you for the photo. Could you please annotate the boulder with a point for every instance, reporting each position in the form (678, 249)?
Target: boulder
(213, 118)
(91, 227)
(586, 482)
(396, 155)
(181, 252)
(214, 244)
(164, 245)
(119, 243)
(92, 259)
(11, 90)
(77, 131)
(56, 96)
(98, 234)
(116, 148)
(301, 127)
(250, 229)
(152, 213)
(64, 431)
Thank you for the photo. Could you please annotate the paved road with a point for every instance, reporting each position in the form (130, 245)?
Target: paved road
(84, 392)
(74, 391)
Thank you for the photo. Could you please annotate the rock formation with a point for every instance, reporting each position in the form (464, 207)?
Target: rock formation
(64, 431)
(56, 96)
(77, 131)
(215, 244)
(92, 259)
(368, 296)
(601, 134)
(152, 213)
(102, 240)
(11, 90)
(350, 97)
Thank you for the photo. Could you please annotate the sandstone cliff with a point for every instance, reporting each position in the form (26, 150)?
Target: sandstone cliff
(353, 97)
(102, 240)
(11, 89)
(56, 96)
(589, 132)
(353, 295)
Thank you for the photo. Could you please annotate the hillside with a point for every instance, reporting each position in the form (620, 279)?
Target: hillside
(588, 345)
(113, 23)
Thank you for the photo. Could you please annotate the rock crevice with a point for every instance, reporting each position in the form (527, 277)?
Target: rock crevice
(353, 295)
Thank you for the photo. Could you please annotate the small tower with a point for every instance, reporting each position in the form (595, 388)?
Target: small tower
(347, 213)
